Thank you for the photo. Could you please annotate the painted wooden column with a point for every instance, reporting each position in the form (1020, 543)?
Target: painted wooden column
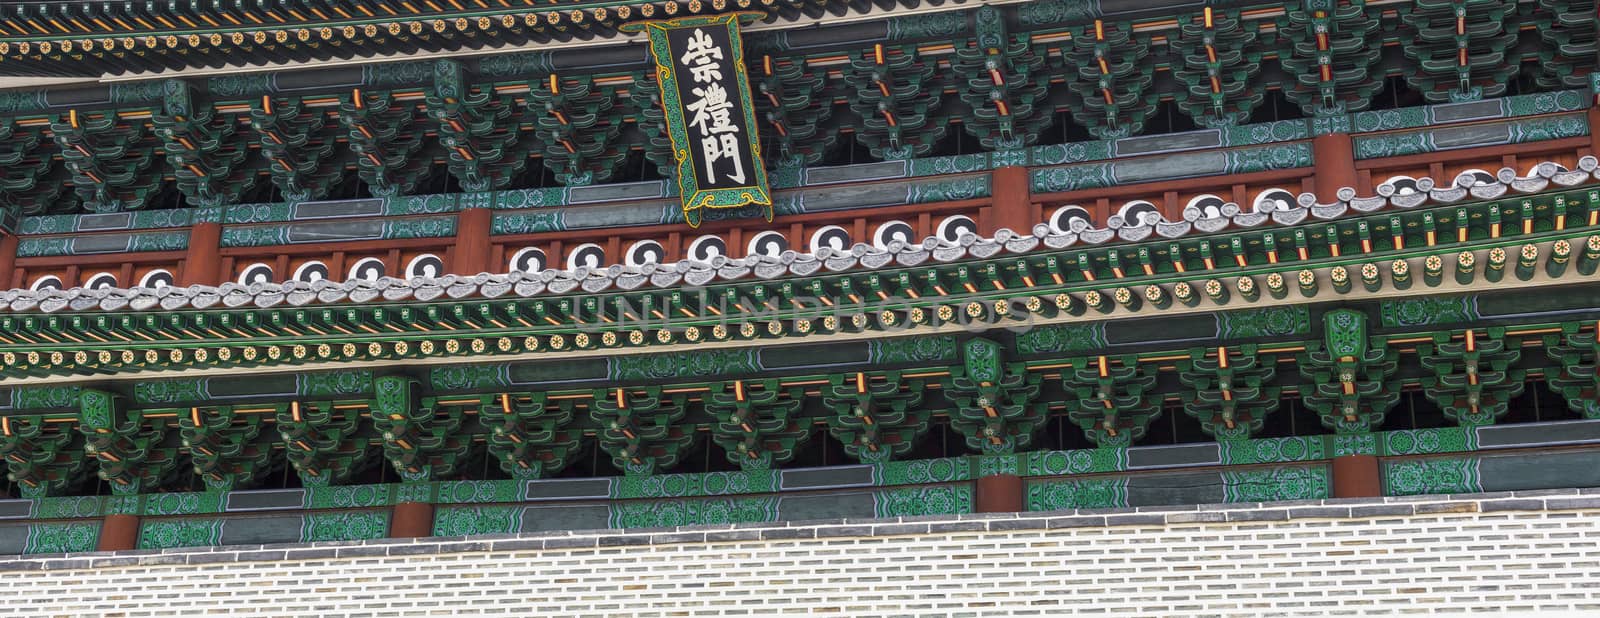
(472, 242)
(411, 520)
(118, 532)
(1011, 201)
(998, 493)
(1356, 476)
(8, 261)
(1334, 161)
(202, 262)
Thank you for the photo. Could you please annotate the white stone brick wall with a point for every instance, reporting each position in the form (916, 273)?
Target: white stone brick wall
(1427, 554)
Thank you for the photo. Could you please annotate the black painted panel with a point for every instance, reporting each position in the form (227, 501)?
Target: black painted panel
(270, 385)
(341, 77)
(1171, 166)
(13, 539)
(575, 370)
(1504, 436)
(15, 508)
(802, 38)
(265, 499)
(1165, 7)
(1203, 454)
(820, 355)
(339, 208)
(612, 192)
(821, 478)
(107, 221)
(78, 97)
(1173, 328)
(102, 243)
(566, 517)
(641, 213)
(1585, 298)
(1175, 488)
(1540, 470)
(854, 173)
(1150, 144)
(1471, 110)
(335, 230)
(1471, 135)
(267, 529)
(615, 55)
(856, 196)
(568, 489)
(826, 506)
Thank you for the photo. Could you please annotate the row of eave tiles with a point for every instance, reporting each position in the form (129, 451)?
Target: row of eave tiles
(1067, 228)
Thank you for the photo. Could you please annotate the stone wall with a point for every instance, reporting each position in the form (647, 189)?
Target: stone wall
(1516, 551)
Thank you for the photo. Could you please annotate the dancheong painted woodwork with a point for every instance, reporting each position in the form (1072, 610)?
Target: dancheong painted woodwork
(305, 268)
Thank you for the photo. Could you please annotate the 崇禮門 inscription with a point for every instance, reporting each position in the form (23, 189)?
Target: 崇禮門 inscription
(706, 99)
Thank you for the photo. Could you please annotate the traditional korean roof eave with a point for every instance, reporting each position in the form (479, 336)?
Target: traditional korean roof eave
(122, 38)
(1228, 229)
(481, 331)
(598, 41)
(479, 347)
(204, 43)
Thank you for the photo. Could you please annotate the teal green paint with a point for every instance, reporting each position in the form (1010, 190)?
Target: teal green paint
(469, 377)
(923, 500)
(184, 532)
(666, 513)
(62, 537)
(1277, 483)
(476, 520)
(472, 492)
(905, 350)
(1429, 441)
(349, 496)
(1081, 461)
(1091, 493)
(183, 503)
(1264, 322)
(688, 485)
(919, 471)
(1427, 310)
(1434, 475)
(1273, 450)
(344, 526)
(1063, 338)
(69, 507)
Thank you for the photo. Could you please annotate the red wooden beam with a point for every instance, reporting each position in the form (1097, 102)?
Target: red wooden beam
(202, 264)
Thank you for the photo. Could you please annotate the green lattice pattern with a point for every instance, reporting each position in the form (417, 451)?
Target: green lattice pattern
(923, 500)
(919, 471)
(1435, 475)
(182, 532)
(1273, 450)
(1082, 461)
(475, 520)
(344, 526)
(665, 513)
(685, 485)
(1087, 493)
(61, 537)
(1429, 441)
(1277, 483)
